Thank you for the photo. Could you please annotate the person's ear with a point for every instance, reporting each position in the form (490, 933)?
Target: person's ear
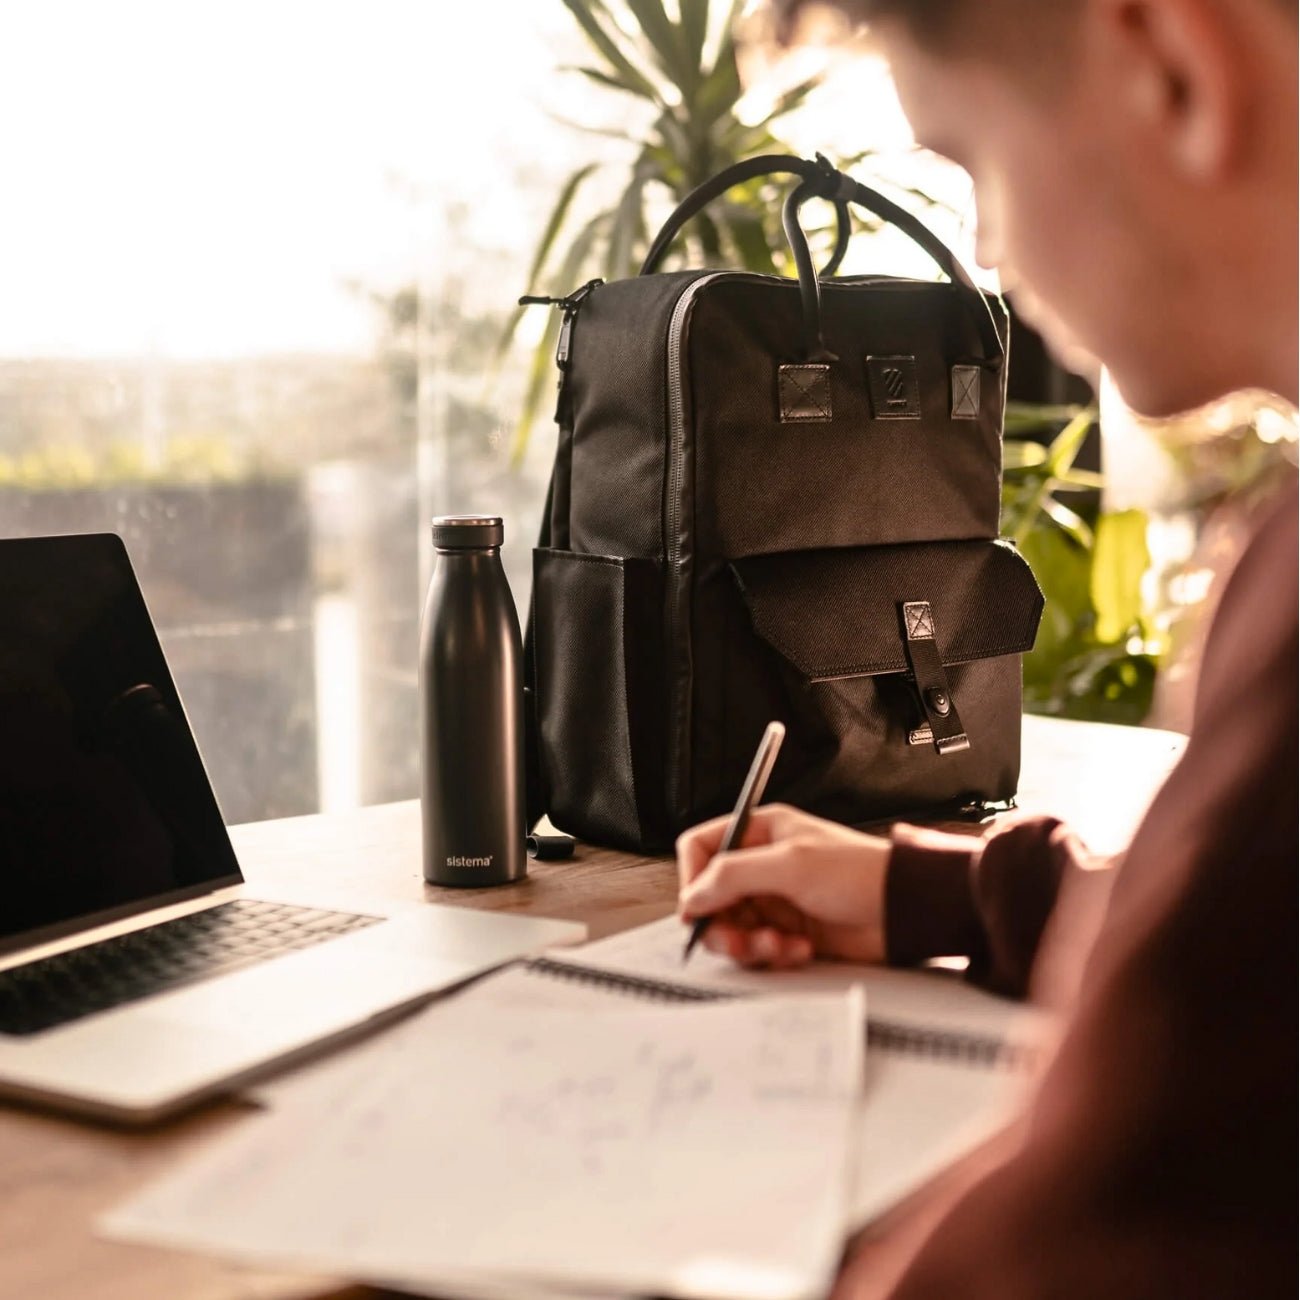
(1182, 76)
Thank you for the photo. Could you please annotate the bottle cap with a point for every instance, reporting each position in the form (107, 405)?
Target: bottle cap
(550, 848)
(467, 532)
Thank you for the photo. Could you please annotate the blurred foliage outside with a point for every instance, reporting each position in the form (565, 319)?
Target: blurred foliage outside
(1098, 647)
(1115, 613)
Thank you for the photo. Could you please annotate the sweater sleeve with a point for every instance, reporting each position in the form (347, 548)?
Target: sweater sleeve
(1154, 1158)
(988, 900)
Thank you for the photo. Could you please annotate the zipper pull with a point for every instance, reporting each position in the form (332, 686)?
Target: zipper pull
(566, 325)
(576, 298)
(564, 343)
(571, 304)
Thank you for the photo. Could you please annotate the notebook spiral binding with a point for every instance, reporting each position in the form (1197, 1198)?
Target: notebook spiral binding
(884, 1035)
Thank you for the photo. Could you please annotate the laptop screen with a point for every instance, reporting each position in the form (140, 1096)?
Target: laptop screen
(105, 808)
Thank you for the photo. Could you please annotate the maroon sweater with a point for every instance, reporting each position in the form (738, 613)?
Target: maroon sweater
(1158, 1157)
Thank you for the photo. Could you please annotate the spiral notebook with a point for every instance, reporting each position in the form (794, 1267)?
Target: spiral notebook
(508, 1150)
(946, 1063)
(931, 1013)
(934, 1042)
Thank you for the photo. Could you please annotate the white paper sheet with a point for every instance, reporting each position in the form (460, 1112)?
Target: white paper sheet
(647, 1150)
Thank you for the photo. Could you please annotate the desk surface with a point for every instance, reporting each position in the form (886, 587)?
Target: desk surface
(57, 1175)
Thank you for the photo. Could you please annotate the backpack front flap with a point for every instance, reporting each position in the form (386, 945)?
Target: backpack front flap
(895, 668)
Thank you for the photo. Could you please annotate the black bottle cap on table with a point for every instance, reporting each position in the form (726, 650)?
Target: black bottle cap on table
(550, 848)
(467, 532)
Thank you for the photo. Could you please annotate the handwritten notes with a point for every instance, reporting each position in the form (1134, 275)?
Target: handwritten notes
(637, 1149)
(919, 1113)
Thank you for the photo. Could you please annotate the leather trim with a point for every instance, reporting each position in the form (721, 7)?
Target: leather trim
(946, 730)
(804, 394)
(965, 392)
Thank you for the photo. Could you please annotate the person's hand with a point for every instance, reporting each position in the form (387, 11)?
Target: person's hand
(798, 887)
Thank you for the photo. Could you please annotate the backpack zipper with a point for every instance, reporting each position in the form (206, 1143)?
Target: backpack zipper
(679, 700)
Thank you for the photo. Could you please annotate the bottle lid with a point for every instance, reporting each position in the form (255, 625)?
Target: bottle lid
(467, 532)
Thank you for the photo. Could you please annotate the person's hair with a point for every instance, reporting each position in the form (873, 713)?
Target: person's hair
(932, 19)
(923, 15)
(970, 26)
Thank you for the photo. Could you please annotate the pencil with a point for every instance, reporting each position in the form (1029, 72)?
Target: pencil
(750, 795)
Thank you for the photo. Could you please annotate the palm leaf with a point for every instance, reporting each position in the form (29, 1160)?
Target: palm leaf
(556, 221)
(721, 88)
(695, 28)
(1065, 446)
(554, 224)
(749, 237)
(604, 132)
(607, 79)
(710, 238)
(542, 366)
(1068, 521)
(792, 98)
(628, 229)
(1018, 454)
(539, 369)
(1027, 417)
(622, 66)
(665, 39)
(1120, 560)
(1080, 480)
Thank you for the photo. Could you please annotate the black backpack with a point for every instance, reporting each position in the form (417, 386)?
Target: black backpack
(775, 499)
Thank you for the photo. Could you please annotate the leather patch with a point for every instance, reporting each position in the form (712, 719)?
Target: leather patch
(895, 394)
(965, 392)
(804, 392)
(942, 727)
(919, 620)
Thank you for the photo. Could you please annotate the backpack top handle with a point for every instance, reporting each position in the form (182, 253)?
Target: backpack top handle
(768, 164)
(829, 183)
(819, 179)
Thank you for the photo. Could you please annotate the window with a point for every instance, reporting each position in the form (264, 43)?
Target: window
(255, 256)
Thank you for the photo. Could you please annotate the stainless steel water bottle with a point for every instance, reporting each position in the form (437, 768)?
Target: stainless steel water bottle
(471, 711)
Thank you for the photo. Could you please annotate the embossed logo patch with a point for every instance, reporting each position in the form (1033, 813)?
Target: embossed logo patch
(894, 391)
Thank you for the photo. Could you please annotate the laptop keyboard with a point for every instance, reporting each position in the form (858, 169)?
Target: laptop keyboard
(66, 987)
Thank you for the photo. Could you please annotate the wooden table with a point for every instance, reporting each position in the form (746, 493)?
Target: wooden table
(57, 1175)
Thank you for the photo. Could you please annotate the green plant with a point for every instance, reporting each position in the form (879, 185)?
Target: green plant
(1097, 650)
(679, 64)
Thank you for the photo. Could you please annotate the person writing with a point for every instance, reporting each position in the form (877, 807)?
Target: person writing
(1135, 172)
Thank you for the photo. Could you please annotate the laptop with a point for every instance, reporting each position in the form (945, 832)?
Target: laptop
(138, 974)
